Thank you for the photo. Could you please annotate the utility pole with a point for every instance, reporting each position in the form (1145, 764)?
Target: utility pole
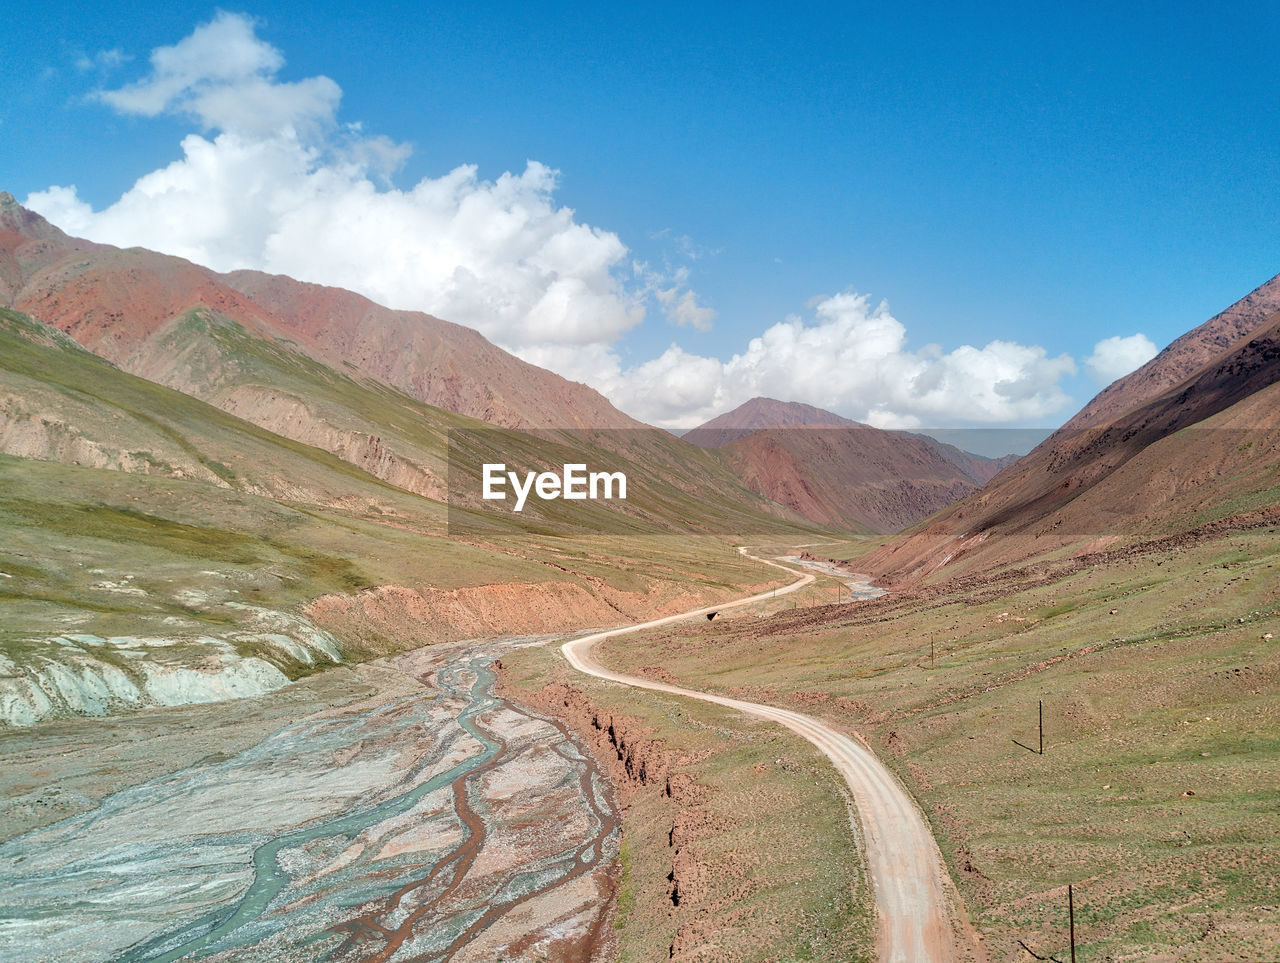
(1071, 916)
(1042, 727)
(930, 652)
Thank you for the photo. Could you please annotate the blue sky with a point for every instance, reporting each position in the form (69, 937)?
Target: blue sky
(1008, 173)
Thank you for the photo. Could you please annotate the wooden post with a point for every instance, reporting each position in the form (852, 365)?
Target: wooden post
(1071, 915)
(1042, 727)
(931, 652)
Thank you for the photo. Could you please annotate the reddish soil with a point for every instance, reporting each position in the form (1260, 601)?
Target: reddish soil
(838, 472)
(636, 762)
(114, 301)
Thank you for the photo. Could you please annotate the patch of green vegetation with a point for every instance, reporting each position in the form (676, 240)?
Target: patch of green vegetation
(127, 526)
(1055, 610)
(626, 884)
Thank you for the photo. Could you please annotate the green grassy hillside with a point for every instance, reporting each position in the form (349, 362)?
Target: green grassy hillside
(144, 531)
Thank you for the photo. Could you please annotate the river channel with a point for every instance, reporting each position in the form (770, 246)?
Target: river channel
(445, 824)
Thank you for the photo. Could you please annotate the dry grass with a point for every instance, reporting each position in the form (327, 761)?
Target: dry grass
(1156, 794)
(776, 872)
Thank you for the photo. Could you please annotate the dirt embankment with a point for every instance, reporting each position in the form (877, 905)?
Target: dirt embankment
(41, 428)
(393, 618)
(645, 773)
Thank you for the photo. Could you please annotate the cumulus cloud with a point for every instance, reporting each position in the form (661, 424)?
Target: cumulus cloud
(224, 76)
(1115, 357)
(281, 187)
(275, 182)
(852, 359)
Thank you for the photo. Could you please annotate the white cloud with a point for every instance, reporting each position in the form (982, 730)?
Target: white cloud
(225, 77)
(853, 360)
(102, 60)
(276, 183)
(282, 188)
(1115, 357)
(670, 286)
(682, 308)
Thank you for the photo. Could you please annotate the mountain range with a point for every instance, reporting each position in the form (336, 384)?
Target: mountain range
(1189, 440)
(381, 390)
(327, 367)
(839, 472)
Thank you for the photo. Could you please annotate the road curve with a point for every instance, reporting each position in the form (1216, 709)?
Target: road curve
(908, 875)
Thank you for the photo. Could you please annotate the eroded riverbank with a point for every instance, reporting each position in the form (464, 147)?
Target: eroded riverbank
(432, 820)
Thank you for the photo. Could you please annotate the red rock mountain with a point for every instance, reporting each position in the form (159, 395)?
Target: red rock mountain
(1183, 442)
(1183, 357)
(119, 303)
(839, 472)
(380, 389)
(761, 413)
(435, 361)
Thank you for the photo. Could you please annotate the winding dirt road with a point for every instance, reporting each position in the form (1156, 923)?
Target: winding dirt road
(915, 899)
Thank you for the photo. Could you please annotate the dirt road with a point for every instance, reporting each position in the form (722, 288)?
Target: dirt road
(915, 899)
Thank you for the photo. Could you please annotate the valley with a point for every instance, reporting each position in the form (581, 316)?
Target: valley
(1155, 668)
(280, 677)
(413, 821)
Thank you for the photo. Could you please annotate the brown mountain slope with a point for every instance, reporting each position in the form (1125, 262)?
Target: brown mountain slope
(763, 413)
(1205, 448)
(27, 243)
(1182, 357)
(328, 368)
(114, 301)
(848, 477)
(835, 471)
(442, 364)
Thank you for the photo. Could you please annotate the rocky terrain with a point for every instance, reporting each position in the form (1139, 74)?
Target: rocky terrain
(1202, 448)
(840, 473)
(428, 820)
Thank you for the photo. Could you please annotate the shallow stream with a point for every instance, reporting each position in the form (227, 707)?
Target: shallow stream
(444, 825)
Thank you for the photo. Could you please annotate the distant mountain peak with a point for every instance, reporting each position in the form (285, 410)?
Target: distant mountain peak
(761, 413)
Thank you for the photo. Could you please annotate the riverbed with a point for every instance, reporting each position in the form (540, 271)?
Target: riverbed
(432, 821)
(860, 586)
